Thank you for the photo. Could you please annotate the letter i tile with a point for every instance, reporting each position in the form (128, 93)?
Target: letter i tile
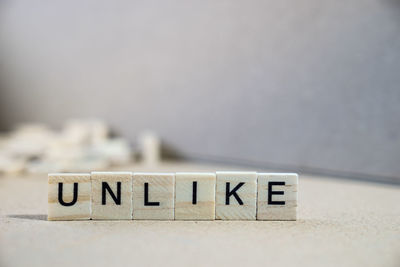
(194, 196)
(68, 196)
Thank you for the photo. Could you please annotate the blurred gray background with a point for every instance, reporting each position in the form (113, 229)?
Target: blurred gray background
(302, 85)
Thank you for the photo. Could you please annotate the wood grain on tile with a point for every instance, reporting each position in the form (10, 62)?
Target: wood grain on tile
(236, 194)
(277, 196)
(153, 196)
(69, 196)
(195, 196)
(111, 195)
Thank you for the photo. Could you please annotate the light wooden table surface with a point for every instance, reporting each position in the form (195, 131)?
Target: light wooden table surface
(342, 223)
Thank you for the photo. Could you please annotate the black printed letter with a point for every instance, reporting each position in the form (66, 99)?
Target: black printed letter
(194, 197)
(60, 195)
(233, 192)
(146, 197)
(104, 187)
(270, 193)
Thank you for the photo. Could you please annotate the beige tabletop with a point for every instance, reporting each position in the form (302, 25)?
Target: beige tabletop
(341, 223)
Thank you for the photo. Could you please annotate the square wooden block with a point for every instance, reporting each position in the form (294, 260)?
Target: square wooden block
(68, 196)
(195, 196)
(277, 196)
(111, 195)
(236, 195)
(153, 196)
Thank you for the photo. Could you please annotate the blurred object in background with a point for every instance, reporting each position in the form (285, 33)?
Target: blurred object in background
(305, 86)
(150, 148)
(82, 145)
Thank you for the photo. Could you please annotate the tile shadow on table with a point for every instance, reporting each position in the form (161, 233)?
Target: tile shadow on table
(36, 217)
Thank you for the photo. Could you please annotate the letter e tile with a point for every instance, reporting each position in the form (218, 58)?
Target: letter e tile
(277, 196)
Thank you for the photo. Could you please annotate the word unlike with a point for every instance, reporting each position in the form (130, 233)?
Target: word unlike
(172, 196)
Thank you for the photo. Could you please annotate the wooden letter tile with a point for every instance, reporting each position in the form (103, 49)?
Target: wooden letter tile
(69, 196)
(153, 196)
(111, 195)
(195, 196)
(236, 195)
(277, 196)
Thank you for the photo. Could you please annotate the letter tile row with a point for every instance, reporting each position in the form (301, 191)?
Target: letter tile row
(172, 196)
